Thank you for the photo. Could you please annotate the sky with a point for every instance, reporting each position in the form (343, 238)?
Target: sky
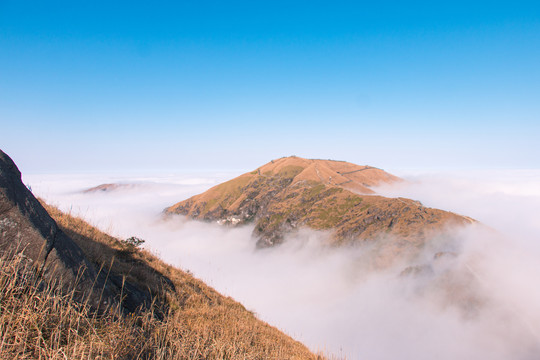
(101, 86)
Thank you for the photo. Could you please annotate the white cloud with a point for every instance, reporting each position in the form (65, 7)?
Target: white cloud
(327, 297)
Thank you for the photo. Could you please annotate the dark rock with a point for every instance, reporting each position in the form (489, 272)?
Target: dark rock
(444, 254)
(27, 229)
(417, 270)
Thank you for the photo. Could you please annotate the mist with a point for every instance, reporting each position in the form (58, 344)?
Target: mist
(481, 303)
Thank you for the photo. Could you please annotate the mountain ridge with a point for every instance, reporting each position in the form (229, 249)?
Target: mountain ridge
(291, 192)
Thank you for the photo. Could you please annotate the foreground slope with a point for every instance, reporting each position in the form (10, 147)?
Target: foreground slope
(201, 323)
(27, 228)
(292, 192)
(88, 297)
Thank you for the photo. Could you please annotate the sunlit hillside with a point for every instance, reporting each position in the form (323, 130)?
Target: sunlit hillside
(41, 321)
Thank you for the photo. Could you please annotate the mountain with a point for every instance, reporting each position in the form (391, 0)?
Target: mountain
(292, 192)
(105, 188)
(70, 289)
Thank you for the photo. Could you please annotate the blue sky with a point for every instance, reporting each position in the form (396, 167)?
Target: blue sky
(92, 86)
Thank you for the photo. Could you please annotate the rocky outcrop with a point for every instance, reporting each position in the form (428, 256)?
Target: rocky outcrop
(27, 230)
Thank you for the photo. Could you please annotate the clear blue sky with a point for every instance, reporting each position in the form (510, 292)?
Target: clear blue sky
(100, 85)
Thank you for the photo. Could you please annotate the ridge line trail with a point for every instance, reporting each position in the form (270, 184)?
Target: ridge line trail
(469, 219)
(367, 167)
(318, 173)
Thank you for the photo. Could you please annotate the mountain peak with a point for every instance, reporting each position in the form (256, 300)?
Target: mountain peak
(292, 192)
(356, 178)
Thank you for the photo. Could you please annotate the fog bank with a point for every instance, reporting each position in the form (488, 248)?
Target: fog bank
(482, 303)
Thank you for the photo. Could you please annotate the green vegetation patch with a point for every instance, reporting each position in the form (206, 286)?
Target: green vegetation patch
(316, 190)
(209, 205)
(276, 220)
(227, 193)
(327, 218)
(350, 202)
(365, 207)
(290, 171)
(330, 213)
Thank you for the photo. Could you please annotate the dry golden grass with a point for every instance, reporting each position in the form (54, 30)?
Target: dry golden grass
(231, 194)
(38, 321)
(290, 193)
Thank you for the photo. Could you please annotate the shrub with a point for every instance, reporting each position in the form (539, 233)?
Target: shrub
(133, 242)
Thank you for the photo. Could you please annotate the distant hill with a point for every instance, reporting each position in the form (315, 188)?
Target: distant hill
(72, 291)
(107, 188)
(293, 192)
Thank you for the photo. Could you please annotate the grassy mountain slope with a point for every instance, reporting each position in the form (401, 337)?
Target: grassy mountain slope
(42, 321)
(321, 194)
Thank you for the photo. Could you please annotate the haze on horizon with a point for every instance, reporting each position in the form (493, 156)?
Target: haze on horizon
(100, 86)
(332, 302)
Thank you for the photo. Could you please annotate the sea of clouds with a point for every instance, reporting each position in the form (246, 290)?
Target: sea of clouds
(325, 296)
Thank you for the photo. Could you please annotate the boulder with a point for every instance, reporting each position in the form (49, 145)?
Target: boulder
(27, 229)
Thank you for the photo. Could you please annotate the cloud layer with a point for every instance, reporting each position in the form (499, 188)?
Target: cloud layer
(481, 303)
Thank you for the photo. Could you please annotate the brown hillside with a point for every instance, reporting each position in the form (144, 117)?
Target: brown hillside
(321, 194)
(70, 291)
(201, 324)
